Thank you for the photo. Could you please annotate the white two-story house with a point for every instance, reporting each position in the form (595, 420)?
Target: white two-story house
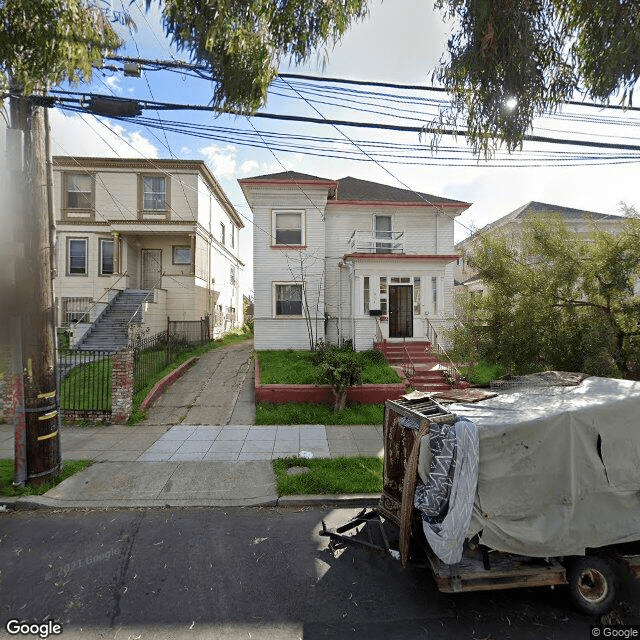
(163, 228)
(348, 260)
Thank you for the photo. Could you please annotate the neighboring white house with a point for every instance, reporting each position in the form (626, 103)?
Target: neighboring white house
(348, 260)
(163, 226)
(511, 225)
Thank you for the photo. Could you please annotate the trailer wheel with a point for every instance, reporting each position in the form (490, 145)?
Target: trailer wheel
(592, 584)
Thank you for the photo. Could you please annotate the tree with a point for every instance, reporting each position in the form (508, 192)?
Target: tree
(509, 61)
(506, 61)
(555, 300)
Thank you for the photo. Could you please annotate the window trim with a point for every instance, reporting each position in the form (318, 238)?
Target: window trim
(85, 240)
(274, 215)
(166, 212)
(66, 209)
(383, 244)
(274, 298)
(101, 254)
(173, 254)
(223, 234)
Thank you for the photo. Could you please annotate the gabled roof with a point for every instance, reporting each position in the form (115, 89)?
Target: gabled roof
(347, 190)
(356, 190)
(536, 208)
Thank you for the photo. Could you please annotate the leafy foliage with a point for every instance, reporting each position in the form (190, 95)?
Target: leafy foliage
(342, 370)
(243, 43)
(536, 53)
(48, 41)
(556, 299)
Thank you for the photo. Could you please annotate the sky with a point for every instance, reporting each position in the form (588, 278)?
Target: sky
(400, 42)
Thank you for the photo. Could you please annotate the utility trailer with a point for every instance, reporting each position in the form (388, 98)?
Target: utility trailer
(592, 574)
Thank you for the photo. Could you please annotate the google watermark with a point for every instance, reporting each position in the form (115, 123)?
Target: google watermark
(78, 563)
(622, 631)
(15, 627)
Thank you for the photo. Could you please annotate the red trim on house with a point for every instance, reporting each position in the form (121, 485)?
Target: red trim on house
(393, 203)
(288, 246)
(401, 256)
(292, 182)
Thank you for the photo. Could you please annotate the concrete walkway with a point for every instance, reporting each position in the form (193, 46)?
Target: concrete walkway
(199, 446)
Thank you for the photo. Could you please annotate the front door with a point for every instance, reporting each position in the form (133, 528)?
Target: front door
(400, 311)
(151, 268)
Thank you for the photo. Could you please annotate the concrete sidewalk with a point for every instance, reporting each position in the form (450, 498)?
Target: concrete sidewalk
(199, 446)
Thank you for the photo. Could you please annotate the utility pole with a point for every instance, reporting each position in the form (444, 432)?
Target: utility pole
(33, 342)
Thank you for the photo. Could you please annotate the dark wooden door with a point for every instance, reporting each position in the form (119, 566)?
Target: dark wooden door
(400, 311)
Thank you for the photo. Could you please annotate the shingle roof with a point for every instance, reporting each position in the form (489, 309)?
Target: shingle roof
(354, 189)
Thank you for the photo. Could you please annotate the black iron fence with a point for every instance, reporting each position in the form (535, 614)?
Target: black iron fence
(151, 355)
(85, 380)
(193, 331)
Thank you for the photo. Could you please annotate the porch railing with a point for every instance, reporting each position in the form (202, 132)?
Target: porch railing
(449, 367)
(377, 242)
(139, 307)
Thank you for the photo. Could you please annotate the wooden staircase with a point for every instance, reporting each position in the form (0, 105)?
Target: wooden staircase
(415, 361)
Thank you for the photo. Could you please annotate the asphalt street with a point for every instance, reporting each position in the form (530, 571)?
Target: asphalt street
(246, 573)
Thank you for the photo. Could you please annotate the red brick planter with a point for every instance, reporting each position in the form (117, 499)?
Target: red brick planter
(322, 394)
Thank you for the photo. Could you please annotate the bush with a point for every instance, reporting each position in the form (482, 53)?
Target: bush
(342, 371)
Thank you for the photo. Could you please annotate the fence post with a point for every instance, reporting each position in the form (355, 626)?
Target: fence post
(122, 385)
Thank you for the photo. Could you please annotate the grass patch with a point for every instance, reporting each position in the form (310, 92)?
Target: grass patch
(87, 387)
(329, 476)
(139, 396)
(69, 468)
(295, 367)
(482, 372)
(298, 413)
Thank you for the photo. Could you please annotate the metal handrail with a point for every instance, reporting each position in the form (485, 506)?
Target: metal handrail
(88, 311)
(432, 336)
(411, 370)
(158, 281)
(373, 240)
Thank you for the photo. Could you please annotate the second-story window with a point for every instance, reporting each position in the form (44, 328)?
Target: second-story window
(79, 191)
(154, 193)
(222, 233)
(383, 234)
(232, 235)
(288, 228)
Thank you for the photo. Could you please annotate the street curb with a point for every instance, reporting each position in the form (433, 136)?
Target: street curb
(338, 500)
(169, 379)
(25, 503)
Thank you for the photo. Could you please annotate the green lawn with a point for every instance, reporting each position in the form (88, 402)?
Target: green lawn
(295, 367)
(69, 468)
(329, 476)
(482, 372)
(87, 387)
(295, 413)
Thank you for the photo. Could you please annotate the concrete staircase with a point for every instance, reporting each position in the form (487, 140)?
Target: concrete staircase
(110, 331)
(424, 372)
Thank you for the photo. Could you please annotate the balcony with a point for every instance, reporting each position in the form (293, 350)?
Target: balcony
(377, 242)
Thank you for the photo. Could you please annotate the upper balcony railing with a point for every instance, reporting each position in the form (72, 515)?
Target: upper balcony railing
(377, 241)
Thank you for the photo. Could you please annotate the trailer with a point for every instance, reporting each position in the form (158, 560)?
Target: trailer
(590, 561)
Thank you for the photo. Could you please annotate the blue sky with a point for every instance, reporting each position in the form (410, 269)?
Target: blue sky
(401, 42)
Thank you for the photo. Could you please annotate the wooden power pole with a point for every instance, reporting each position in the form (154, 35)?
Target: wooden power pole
(37, 430)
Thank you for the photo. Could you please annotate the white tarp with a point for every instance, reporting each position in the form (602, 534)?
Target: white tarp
(559, 468)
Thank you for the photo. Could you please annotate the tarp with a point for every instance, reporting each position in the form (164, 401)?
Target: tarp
(446, 498)
(559, 468)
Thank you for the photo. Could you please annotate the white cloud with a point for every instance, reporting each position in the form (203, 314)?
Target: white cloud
(113, 82)
(226, 165)
(87, 135)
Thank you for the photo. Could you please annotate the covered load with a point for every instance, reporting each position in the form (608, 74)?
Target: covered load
(559, 467)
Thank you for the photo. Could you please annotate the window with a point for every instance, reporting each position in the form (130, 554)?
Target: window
(383, 234)
(434, 290)
(75, 310)
(416, 296)
(106, 257)
(288, 228)
(288, 299)
(232, 235)
(222, 233)
(366, 294)
(181, 254)
(77, 256)
(232, 276)
(79, 188)
(383, 295)
(154, 193)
